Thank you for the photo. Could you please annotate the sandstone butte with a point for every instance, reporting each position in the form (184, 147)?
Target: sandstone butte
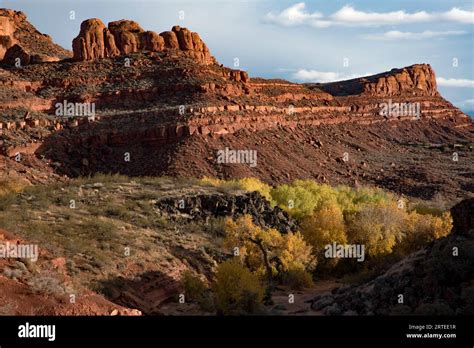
(123, 37)
(173, 106)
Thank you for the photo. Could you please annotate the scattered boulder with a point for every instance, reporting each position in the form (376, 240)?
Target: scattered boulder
(463, 217)
(16, 54)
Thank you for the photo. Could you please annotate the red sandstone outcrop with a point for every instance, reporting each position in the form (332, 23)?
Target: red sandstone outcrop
(6, 34)
(90, 44)
(15, 29)
(95, 41)
(18, 56)
(414, 80)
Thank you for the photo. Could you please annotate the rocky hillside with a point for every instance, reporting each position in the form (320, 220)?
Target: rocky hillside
(166, 102)
(125, 245)
(84, 249)
(20, 39)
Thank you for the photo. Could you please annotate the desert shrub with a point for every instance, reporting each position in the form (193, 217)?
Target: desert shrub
(236, 289)
(6, 200)
(297, 279)
(209, 181)
(116, 211)
(436, 206)
(254, 244)
(8, 186)
(303, 197)
(324, 227)
(426, 209)
(378, 226)
(215, 226)
(253, 184)
(197, 291)
(193, 286)
(295, 200)
(101, 178)
(246, 184)
(294, 253)
(12, 273)
(267, 251)
(421, 229)
(48, 284)
(99, 229)
(351, 200)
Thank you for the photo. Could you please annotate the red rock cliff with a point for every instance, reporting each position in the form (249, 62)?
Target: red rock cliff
(96, 41)
(16, 30)
(414, 80)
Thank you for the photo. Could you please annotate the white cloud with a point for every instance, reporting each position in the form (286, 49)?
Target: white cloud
(467, 104)
(349, 16)
(458, 15)
(455, 82)
(400, 35)
(304, 75)
(293, 15)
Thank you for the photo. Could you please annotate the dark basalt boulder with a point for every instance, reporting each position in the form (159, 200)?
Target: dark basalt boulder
(463, 217)
(201, 207)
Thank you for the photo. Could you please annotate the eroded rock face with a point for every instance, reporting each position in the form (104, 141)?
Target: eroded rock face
(414, 80)
(151, 41)
(417, 79)
(6, 35)
(96, 41)
(127, 35)
(91, 42)
(463, 217)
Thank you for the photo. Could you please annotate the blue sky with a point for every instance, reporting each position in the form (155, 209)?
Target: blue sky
(299, 41)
